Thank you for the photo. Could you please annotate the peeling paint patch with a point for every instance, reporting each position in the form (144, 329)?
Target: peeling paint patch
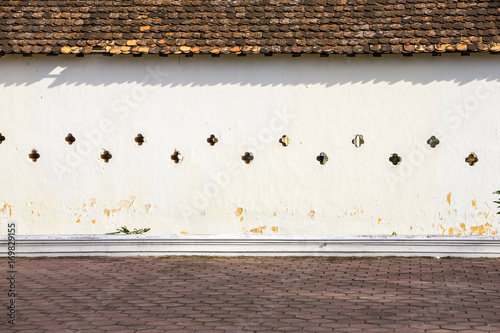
(480, 230)
(357, 210)
(6, 207)
(258, 230)
(448, 198)
(239, 211)
(127, 203)
(485, 214)
(275, 229)
(311, 214)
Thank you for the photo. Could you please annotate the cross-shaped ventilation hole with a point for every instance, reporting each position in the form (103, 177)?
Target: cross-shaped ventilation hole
(176, 157)
(247, 158)
(471, 159)
(322, 158)
(139, 139)
(34, 155)
(284, 140)
(106, 156)
(358, 141)
(70, 139)
(433, 141)
(395, 159)
(212, 140)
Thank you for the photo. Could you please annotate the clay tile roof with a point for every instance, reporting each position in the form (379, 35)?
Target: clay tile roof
(249, 26)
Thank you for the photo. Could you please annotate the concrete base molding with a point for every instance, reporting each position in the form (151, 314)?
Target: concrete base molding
(142, 245)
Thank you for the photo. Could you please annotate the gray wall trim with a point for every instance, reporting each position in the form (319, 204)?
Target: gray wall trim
(142, 245)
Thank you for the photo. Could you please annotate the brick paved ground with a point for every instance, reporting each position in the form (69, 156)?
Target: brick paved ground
(204, 294)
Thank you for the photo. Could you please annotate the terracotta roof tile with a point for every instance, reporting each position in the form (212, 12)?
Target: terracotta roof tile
(249, 26)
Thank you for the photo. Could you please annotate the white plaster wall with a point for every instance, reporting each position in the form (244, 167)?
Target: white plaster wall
(396, 103)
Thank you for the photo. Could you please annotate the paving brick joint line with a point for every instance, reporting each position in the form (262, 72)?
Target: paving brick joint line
(213, 294)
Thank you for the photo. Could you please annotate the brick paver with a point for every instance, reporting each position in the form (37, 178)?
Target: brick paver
(209, 294)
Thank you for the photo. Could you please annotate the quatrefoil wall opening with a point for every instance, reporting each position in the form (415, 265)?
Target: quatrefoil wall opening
(358, 141)
(176, 157)
(471, 159)
(212, 140)
(34, 155)
(284, 140)
(395, 159)
(106, 156)
(433, 141)
(322, 158)
(70, 139)
(139, 139)
(247, 157)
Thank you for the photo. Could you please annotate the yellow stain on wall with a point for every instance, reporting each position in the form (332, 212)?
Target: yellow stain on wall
(448, 198)
(239, 211)
(483, 230)
(483, 213)
(92, 202)
(6, 207)
(274, 214)
(480, 230)
(311, 214)
(106, 211)
(275, 229)
(93, 221)
(241, 219)
(184, 233)
(78, 221)
(258, 230)
(148, 206)
(474, 203)
(357, 210)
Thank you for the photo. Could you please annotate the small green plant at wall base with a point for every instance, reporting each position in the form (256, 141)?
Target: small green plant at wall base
(124, 230)
(394, 233)
(497, 202)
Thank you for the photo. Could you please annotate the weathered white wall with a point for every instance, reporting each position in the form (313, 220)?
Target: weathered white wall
(396, 103)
